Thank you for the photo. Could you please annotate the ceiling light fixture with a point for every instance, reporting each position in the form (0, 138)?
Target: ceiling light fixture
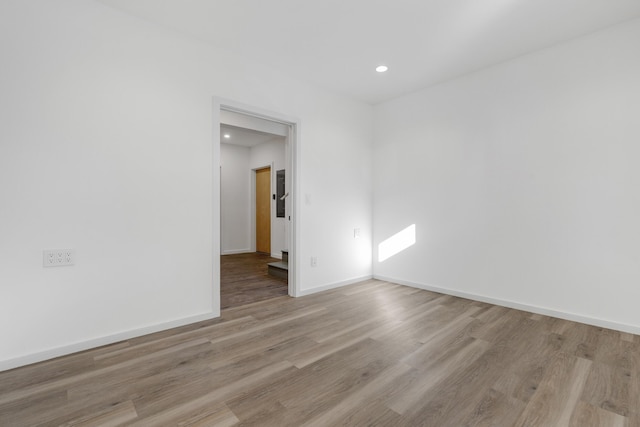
(226, 135)
(381, 68)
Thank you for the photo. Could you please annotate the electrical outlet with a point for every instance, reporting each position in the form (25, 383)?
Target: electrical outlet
(314, 261)
(356, 233)
(58, 257)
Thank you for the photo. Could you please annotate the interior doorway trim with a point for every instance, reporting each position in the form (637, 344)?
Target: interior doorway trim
(293, 161)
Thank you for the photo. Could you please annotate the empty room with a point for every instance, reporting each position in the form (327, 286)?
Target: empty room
(453, 209)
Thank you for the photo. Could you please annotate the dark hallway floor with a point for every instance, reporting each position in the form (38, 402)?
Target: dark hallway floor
(244, 279)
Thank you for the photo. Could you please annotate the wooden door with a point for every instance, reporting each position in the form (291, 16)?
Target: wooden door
(263, 210)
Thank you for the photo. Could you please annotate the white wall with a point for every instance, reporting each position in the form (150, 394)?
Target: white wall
(522, 180)
(267, 154)
(106, 147)
(235, 203)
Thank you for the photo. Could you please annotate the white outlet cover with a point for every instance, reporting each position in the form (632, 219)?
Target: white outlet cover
(58, 257)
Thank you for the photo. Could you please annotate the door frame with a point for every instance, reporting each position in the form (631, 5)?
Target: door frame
(292, 155)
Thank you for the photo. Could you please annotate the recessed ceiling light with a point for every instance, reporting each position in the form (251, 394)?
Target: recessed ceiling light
(381, 68)
(226, 135)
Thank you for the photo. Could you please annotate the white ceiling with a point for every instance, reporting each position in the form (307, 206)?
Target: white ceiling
(245, 137)
(336, 44)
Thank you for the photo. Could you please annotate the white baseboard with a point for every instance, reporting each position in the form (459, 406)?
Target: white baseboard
(623, 327)
(276, 255)
(305, 292)
(98, 342)
(236, 251)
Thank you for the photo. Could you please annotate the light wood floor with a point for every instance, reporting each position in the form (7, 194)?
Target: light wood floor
(374, 353)
(244, 279)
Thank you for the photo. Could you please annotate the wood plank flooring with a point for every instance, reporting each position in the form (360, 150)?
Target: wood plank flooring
(370, 354)
(244, 279)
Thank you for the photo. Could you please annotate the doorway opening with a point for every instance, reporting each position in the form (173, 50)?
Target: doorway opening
(252, 268)
(261, 175)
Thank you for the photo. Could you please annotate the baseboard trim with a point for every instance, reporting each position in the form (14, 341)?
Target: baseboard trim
(98, 342)
(323, 288)
(622, 327)
(276, 255)
(237, 251)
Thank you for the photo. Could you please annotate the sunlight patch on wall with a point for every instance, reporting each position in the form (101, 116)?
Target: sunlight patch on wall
(397, 243)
